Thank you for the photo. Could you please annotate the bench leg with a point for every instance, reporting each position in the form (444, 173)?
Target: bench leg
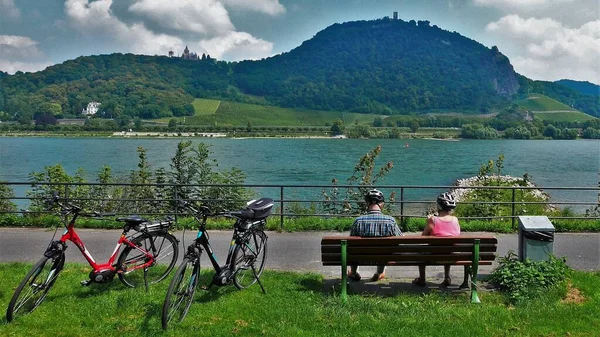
(344, 271)
(465, 283)
(474, 269)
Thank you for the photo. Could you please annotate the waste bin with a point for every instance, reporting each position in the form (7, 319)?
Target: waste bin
(536, 238)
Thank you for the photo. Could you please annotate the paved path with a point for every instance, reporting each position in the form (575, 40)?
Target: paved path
(286, 251)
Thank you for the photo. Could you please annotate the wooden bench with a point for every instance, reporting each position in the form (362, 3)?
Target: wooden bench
(469, 251)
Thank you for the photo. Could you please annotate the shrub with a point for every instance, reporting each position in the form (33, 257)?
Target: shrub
(522, 280)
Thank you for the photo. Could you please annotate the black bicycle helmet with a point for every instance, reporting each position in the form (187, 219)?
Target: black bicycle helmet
(374, 197)
(446, 201)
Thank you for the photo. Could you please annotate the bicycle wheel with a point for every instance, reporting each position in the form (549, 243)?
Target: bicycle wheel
(163, 247)
(35, 286)
(253, 252)
(181, 291)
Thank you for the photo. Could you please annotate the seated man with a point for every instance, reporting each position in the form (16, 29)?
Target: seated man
(374, 223)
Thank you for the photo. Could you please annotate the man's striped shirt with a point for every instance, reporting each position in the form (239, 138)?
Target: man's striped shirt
(375, 223)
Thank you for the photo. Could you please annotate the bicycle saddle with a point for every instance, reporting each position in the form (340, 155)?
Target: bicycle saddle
(256, 210)
(132, 220)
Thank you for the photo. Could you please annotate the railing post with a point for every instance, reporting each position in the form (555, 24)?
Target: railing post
(176, 204)
(512, 219)
(402, 206)
(281, 205)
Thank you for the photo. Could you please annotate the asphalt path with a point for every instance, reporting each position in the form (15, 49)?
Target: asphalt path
(286, 251)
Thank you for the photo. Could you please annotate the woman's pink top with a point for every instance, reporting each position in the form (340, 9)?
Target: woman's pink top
(445, 227)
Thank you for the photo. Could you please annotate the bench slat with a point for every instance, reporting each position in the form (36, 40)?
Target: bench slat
(406, 257)
(413, 263)
(394, 240)
(407, 248)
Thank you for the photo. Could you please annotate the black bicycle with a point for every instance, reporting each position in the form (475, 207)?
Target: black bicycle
(245, 259)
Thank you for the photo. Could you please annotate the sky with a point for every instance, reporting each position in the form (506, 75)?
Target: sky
(544, 39)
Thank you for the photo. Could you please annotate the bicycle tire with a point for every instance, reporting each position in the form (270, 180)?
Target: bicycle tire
(181, 290)
(30, 294)
(247, 255)
(164, 250)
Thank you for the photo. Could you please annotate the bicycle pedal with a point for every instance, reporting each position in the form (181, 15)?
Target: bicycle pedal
(86, 282)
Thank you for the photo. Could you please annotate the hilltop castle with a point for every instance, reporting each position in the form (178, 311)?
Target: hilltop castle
(187, 55)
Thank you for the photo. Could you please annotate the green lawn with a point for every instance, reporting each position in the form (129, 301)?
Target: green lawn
(539, 102)
(211, 112)
(203, 107)
(297, 304)
(574, 116)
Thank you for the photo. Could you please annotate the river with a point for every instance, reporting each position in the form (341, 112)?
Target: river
(294, 161)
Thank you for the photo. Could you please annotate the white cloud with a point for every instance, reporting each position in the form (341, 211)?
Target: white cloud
(547, 50)
(9, 10)
(525, 5)
(272, 7)
(20, 53)
(205, 23)
(518, 27)
(95, 19)
(237, 46)
(12, 67)
(204, 17)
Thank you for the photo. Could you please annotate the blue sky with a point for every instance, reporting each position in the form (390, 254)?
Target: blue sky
(544, 39)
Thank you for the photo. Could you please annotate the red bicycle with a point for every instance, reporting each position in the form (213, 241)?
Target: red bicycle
(150, 244)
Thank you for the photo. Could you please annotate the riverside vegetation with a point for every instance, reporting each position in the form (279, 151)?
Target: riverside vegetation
(155, 191)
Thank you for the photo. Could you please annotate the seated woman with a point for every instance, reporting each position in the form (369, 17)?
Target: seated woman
(445, 224)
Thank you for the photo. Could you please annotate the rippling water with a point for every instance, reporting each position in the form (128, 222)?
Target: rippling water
(318, 161)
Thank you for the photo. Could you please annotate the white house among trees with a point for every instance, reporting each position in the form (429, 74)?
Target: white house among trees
(92, 109)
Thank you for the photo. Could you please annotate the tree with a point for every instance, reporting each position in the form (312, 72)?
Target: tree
(6, 194)
(45, 119)
(137, 123)
(249, 126)
(123, 121)
(377, 122)
(172, 123)
(337, 128)
(414, 125)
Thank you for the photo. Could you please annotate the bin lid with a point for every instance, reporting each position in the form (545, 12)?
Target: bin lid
(535, 223)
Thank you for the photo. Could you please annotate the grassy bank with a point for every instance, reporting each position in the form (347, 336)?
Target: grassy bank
(299, 305)
(301, 224)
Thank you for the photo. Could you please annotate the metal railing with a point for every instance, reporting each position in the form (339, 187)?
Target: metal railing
(408, 202)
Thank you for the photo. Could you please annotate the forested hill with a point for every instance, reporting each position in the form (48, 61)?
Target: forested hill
(379, 66)
(383, 66)
(583, 87)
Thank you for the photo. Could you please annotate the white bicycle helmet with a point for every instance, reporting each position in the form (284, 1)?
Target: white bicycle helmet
(374, 197)
(446, 201)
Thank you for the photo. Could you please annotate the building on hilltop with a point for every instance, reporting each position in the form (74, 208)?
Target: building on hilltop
(189, 56)
(92, 109)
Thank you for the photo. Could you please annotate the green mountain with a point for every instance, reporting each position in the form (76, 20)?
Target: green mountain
(583, 87)
(381, 66)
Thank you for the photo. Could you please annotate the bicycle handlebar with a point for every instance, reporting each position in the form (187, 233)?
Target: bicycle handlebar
(67, 208)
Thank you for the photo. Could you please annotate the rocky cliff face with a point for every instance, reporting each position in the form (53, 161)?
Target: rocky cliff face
(504, 79)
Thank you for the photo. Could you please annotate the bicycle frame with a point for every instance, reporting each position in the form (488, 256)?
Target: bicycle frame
(71, 235)
(203, 239)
